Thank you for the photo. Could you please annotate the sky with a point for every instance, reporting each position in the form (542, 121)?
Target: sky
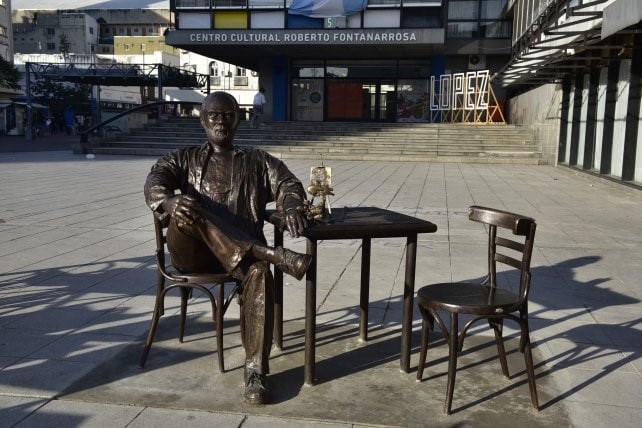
(89, 4)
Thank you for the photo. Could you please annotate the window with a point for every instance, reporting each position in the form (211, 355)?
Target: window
(474, 19)
(51, 31)
(421, 17)
(213, 68)
(126, 46)
(51, 46)
(91, 30)
(240, 71)
(307, 69)
(3, 30)
(266, 4)
(192, 4)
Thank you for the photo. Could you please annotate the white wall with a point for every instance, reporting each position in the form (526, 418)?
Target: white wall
(599, 124)
(619, 128)
(272, 19)
(637, 175)
(195, 20)
(583, 119)
(569, 130)
(539, 109)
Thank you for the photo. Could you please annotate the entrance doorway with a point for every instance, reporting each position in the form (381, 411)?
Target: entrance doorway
(368, 101)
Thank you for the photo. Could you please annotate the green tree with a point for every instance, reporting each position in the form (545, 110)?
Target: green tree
(58, 95)
(64, 45)
(9, 75)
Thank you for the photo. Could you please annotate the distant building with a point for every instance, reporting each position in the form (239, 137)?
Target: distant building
(130, 36)
(6, 41)
(7, 112)
(53, 32)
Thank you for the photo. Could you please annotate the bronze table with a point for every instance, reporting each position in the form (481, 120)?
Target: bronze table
(362, 223)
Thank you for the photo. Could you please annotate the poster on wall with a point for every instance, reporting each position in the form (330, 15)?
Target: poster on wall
(412, 101)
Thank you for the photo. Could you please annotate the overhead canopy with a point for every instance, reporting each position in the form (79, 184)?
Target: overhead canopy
(562, 39)
(33, 105)
(113, 74)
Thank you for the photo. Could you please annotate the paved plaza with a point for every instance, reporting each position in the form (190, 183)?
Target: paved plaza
(77, 284)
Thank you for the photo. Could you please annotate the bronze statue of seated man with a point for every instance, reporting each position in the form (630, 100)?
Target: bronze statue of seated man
(216, 223)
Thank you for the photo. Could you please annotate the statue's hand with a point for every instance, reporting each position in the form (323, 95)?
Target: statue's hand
(296, 222)
(183, 209)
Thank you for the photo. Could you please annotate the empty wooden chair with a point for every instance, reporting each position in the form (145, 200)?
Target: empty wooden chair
(486, 300)
(186, 283)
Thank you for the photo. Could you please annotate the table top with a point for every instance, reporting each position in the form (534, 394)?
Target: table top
(362, 222)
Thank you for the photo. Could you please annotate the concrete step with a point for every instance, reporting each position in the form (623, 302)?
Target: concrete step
(386, 142)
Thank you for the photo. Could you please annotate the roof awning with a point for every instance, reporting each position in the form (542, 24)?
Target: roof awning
(33, 105)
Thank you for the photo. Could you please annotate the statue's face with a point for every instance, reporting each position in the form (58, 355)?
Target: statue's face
(220, 118)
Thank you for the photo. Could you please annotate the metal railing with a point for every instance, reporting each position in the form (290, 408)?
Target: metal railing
(97, 129)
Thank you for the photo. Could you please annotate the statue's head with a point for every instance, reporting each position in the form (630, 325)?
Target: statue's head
(220, 118)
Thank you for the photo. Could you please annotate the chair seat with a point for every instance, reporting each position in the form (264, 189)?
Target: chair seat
(200, 278)
(467, 298)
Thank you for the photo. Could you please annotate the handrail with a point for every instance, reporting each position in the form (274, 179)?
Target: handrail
(84, 136)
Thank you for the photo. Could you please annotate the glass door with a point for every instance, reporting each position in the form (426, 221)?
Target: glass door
(379, 101)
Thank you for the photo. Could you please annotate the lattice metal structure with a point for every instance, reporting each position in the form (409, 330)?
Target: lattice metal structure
(111, 74)
(552, 38)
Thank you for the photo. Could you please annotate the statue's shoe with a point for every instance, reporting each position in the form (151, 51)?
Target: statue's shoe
(293, 263)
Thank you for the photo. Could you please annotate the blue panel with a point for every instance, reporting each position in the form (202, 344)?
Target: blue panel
(280, 69)
(437, 65)
(300, 21)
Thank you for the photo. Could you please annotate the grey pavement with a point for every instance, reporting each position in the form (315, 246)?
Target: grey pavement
(77, 290)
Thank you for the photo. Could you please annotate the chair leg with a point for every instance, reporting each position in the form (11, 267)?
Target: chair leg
(497, 325)
(427, 325)
(158, 310)
(452, 361)
(160, 286)
(185, 294)
(220, 308)
(530, 371)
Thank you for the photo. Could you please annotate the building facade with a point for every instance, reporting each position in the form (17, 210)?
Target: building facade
(576, 76)
(353, 60)
(7, 111)
(129, 36)
(52, 32)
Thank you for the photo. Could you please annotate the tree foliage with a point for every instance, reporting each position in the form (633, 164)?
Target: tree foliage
(58, 95)
(9, 75)
(64, 45)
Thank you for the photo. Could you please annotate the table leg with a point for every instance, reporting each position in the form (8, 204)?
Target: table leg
(310, 313)
(278, 295)
(408, 298)
(365, 289)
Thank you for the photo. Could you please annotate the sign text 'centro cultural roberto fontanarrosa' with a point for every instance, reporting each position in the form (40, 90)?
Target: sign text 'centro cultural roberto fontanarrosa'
(271, 37)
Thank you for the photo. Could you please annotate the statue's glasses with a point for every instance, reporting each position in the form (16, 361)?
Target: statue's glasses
(213, 115)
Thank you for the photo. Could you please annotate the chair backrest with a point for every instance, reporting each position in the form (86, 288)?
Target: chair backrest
(520, 252)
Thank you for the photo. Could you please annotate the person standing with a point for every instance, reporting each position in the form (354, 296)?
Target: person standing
(216, 223)
(257, 108)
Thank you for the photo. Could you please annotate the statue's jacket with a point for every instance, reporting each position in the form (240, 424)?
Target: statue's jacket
(258, 178)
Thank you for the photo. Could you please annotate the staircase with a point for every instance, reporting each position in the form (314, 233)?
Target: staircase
(414, 142)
